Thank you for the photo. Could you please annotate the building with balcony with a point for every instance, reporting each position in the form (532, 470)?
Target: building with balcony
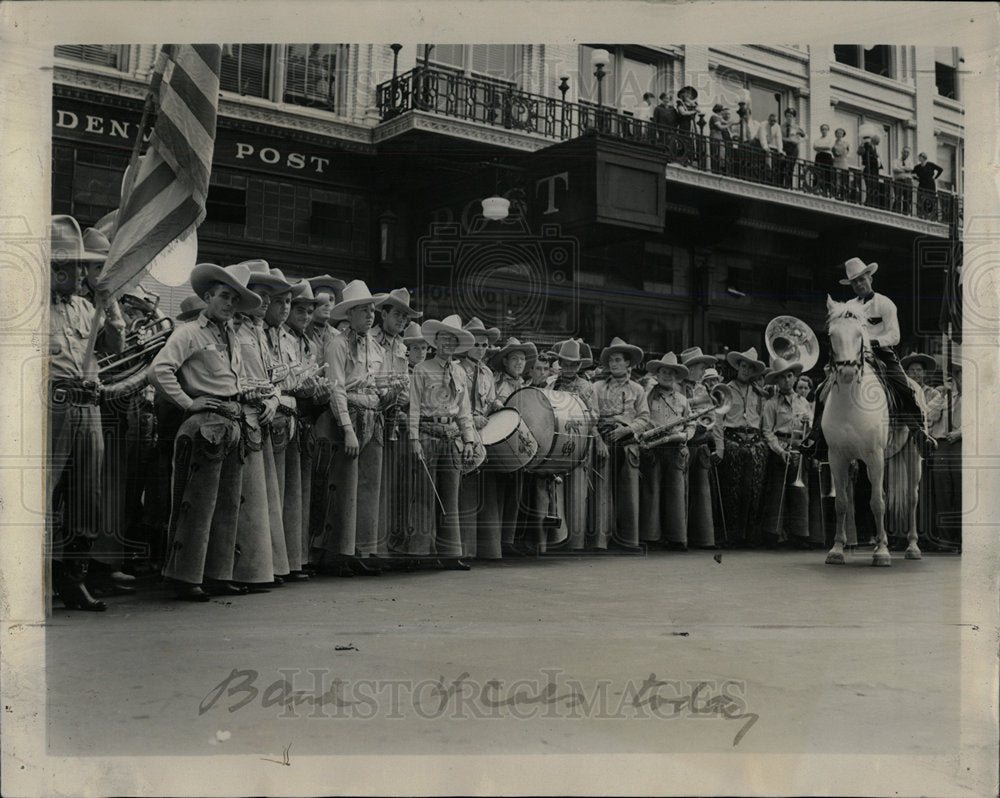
(372, 161)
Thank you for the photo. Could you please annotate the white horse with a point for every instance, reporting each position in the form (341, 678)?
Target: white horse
(856, 427)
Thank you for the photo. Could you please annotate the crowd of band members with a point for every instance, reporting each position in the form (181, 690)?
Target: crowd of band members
(298, 427)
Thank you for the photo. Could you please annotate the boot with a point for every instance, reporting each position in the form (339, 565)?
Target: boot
(69, 583)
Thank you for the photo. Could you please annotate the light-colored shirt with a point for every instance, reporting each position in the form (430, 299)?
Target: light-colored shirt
(697, 394)
(769, 136)
(666, 406)
(285, 351)
(395, 365)
(255, 355)
(505, 386)
(577, 385)
(823, 143)
(938, 414)
(781, 414)
(439, 389)
(746, 407)
(352, 362)
(879, 317)
(69, 332)
(199, 359)
(482, 389)
(902, 170)
(622, 399)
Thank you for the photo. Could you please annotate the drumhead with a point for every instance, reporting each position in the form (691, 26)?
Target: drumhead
(500, 426)
(535, 408)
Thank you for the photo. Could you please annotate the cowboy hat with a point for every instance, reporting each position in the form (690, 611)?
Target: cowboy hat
(302, 293)
(513, 345)
(585, 353)
(856, 268)
(67, 242)
(928, 362)
(411, 334)
(692, 356)
(617, 345)
(191, 307)
(262, 274)
(355, 294)
(476, 326)
(750, 356)
(781, 366)
(236, 277)
(328, 284)
(450, 324)
(667, 363)
(567, 350)
(399, 298)
(711, 374)
(95, 241)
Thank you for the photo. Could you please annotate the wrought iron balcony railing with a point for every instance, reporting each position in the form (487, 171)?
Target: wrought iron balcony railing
(501, 105)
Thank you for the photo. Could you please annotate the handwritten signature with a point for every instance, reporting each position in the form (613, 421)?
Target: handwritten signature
(284, 757)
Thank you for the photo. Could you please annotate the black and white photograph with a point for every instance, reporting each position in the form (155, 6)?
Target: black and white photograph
(473, 405)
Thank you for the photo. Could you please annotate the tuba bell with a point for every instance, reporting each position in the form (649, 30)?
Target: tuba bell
(146, 332)
(793, 340)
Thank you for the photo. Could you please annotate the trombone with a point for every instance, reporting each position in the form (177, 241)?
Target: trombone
(705, 413)
(799, 482)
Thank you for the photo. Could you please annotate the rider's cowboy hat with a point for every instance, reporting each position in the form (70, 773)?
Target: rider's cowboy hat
(928, 362)
(750, 356)
(356, 293)
(618, 346)
(328, 284)
(856, 268)
(262, 274)
(513, 345)
(236, 277)
(411, 335)
(475, 326)
(450, 324)
(692, 356)
(568, 350)
(399, 298)
(781, 366)
(667, 363)
(67, 242)
(191, 307)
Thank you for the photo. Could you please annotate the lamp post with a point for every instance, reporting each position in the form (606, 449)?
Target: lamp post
(599, 59)
(564, 86)
(392, 110)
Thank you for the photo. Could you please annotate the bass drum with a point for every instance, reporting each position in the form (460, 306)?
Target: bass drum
(510, 446)
(560, 423)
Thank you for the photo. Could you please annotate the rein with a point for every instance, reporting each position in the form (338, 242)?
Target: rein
(858, 362)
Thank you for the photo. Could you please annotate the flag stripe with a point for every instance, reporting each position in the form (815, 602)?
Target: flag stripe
(192, 163)
(149, 183)
(185, 92)
(147, 217)
(165, 231)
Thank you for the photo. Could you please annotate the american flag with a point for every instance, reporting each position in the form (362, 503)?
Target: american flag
(951, 300)
(166, 201)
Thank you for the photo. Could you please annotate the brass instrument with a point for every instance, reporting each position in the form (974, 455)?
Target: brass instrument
(793, 340)
(145, 335)
(705, 413)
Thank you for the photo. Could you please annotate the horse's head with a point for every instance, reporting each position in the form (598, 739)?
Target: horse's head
(848, 340)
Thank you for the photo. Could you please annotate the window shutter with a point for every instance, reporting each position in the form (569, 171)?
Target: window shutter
(452, 55)
(247, 71)
(495, 60)
(310, 74)
(108, 55)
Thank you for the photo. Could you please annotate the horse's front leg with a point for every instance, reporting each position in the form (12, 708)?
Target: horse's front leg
(876, 475)
(839, 474)
(914, 475)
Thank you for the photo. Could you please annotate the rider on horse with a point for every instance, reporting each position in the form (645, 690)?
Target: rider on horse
(878, 313)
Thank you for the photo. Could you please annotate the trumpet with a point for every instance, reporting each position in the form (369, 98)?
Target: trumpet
(705, 413)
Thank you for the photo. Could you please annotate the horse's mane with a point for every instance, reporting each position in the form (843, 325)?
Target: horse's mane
(837, 311)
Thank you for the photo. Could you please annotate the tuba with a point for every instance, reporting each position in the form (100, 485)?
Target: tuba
(793, 340)
(705, 413)
(146, 332)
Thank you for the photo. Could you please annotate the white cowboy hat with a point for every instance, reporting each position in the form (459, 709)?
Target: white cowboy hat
(328, 284)
(302, 293)
(781, 366)
(513, 345)
(928, 362)
(692, 356)
(567, 350)
(856, 268)
(711, 374)
(236, 277)
(450, 324)
(262, 274)
(191, 307)
(95, 241)
(666, 363)
(399, 298)
(617, 345)
(67, 242)
(412, 334)
(355, 293)
(750, 356)
(585, 353)
(475, 326)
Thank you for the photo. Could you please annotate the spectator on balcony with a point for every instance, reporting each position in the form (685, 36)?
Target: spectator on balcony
(902, 179)
(791, 137)
(769, 138)
(927, 173)
(719, 137)
(644, 110)
(871, 166)
(840, 151)
(681, 114)
(823, 147)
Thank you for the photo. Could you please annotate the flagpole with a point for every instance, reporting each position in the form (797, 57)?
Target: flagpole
(89, 360)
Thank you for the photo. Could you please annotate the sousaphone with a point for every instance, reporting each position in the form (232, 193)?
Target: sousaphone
(793, 340)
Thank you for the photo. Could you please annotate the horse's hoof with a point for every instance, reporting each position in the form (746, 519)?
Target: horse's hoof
(882, 562)
(913, 554)
(834, 558)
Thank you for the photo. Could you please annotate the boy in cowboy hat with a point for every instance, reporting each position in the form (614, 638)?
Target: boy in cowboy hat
(741, 474)
(785, 425)
(440, 413)
(573, 495)
(75, 439)
(416, 346)
(623, 413)
(354, 361)
(703, 444)
(664, 468)
(200, 370)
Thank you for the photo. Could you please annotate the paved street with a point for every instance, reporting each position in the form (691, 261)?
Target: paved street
(802, 657)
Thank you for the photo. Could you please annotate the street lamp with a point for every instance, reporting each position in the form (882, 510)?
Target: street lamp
(599, 59)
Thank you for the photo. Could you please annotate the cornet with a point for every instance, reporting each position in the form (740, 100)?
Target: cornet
(704, 413)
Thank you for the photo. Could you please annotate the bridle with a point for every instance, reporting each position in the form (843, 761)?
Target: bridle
(858, 362)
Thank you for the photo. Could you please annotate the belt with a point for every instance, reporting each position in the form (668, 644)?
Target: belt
(742, 431)
(74, 395)
(783, 435)
(438, 419)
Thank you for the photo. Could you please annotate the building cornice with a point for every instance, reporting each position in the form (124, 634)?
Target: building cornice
(457, 128)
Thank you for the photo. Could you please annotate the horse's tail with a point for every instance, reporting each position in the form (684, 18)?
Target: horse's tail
(899, 471)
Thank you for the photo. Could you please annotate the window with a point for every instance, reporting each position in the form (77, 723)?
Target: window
(494, 61)
(946, 61)
(311, 75)
(946, 159)
(658, 266)
(587, 88)
(332, 222)
(629, 74)
(226, 205)
(114, 56)
(765, 98)
(97, 185)
(247, 71)
(876, 58)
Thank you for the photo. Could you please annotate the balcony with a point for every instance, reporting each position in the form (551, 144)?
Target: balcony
(713, 163)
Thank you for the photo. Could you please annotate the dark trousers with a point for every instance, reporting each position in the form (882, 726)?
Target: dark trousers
(76, 452)
(741, 478)
(785, 508)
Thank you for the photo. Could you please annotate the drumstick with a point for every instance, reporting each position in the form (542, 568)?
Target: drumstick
(433, 488)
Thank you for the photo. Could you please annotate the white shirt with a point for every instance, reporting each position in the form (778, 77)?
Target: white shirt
(643, 111)
(879, 317)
